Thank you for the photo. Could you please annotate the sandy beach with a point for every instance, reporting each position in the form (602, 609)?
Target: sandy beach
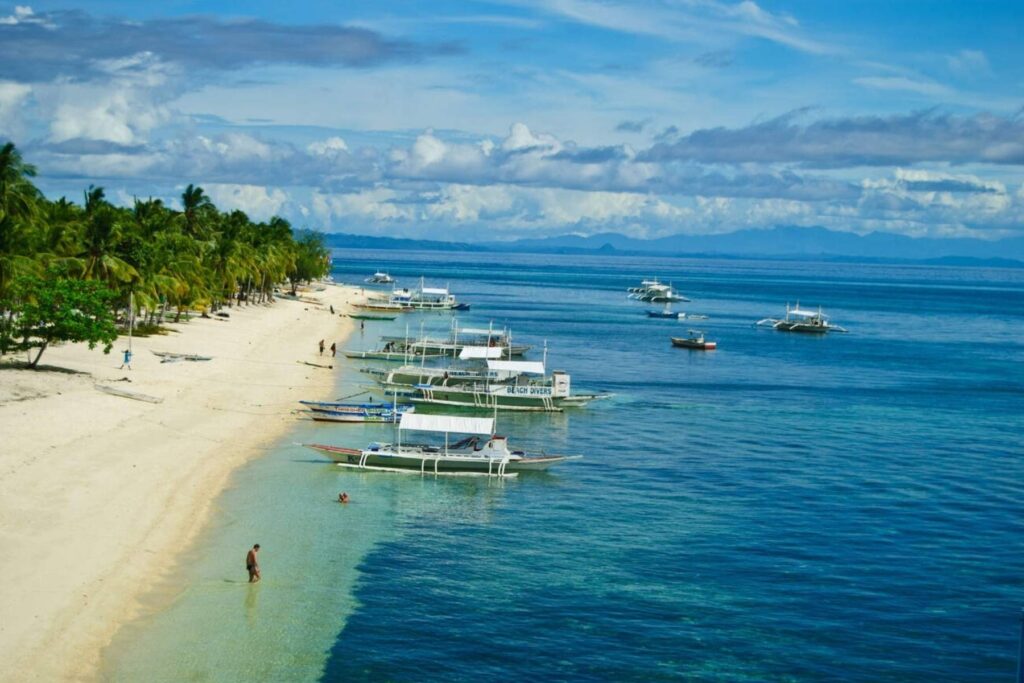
(98, 493)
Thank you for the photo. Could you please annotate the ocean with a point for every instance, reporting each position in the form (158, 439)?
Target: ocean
(784, 508)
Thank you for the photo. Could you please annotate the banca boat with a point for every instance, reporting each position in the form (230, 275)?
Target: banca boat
(427, 299)
(653, 291)
(529, 390)
(461, 339)
(383, 307)
(487, 456)
(694, 341)
(327, 411)
(802, 320)
(370, 316)
(389, 354)
(380, 278)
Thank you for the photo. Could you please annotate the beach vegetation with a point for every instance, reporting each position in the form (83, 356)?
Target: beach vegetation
(57, 308)
(165, 261)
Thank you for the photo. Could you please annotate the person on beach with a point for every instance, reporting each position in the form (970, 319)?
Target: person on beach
(127, 360)
(321, 347)
(362, 325)
(334, 349)
(343, 497)
(332, 309)
(251, 565)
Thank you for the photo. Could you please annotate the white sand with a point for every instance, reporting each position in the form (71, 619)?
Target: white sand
(99, 493)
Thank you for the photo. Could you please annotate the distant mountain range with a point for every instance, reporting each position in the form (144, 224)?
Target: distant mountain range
(779, 242)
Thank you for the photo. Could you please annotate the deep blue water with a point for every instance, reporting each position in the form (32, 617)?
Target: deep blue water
(784, 508)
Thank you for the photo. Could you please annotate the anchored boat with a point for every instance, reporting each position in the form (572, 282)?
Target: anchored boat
(330, 411)
(380, 278)
(427, 298)
(653, 291)
(695, 341)
(462, 338)
(529, 390)
(488, 456)
(802, 320)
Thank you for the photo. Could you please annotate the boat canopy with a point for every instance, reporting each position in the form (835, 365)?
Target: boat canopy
(800, 312)
(481, 332)
(526, 367)
(447, 423)
(480, 352)
(434, 290)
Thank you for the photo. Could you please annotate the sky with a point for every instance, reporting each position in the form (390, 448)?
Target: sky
(505, 119)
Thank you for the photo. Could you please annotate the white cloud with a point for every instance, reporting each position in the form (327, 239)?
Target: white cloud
(332, 146)
(969, 64)
(903, 83)
(12, 97)
(24, 15)
(260, 203)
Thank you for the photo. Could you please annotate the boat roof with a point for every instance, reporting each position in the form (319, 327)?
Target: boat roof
(447, 423)
(484, 331)
(434, 290)
(526, 367)
(804, 313)
(480, 352)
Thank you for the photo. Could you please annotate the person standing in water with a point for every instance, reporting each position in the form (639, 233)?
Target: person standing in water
(334, 349)
(252, 564)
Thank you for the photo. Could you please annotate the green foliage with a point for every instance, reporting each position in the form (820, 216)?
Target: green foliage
(171, 260)
(41, 311)
(312, 259)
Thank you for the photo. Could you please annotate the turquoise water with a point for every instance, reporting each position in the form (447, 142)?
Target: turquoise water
(784, 508)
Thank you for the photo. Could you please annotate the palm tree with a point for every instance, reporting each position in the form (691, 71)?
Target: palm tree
(195, 202)
(19, 199)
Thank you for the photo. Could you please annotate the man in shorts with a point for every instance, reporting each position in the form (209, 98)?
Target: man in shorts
(252, 565)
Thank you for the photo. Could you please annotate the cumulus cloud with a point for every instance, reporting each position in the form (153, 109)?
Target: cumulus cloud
(12, 97)
(260, 203)
(75, 44)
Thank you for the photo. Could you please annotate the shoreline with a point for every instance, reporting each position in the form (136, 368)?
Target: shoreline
(99, 493)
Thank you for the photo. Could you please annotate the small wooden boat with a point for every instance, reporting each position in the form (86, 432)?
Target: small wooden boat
(697, 342)
(168, 357)
(367, 316)
(666, 313)
(352, 413)
(380, 278)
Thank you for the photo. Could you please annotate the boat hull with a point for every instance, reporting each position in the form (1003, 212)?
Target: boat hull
(695, 344)
(438, 463)
(502, 398)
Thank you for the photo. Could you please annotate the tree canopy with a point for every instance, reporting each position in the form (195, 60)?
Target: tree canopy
(195, 257)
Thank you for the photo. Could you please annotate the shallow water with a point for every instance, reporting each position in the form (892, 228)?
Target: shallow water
(784, 508)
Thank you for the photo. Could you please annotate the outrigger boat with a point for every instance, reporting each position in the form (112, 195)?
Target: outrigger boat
(383, 307)
(389, 355)
(427, 298)
(802, 320)
(380, 278)
(696, 341)
(325, 411)
(653, 291)
(461, 339)
(489, 456)
(529, 390)
(367, 316)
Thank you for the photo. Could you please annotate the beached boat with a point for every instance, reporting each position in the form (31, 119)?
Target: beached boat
(802, 320)
(380, 278)
(653, 291)
(695, 341)
(530, 390)
(427, 299)
(487, 456)
(369, 316)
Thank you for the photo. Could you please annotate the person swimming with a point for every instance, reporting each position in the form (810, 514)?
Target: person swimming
(343, 497)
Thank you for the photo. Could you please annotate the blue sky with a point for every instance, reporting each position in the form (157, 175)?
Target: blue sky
(501, 119)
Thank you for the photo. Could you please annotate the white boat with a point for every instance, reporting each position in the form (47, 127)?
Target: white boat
(653, 291)
(802, 320)
(528, 390)
(380, 278)
(427, 298)
(461, 338)
(488, 456)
